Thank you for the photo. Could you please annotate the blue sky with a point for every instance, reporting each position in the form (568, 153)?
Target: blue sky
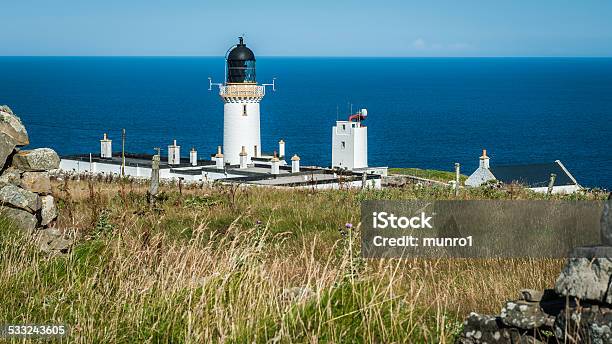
(308, 28)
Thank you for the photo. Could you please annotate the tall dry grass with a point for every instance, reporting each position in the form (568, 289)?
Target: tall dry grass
(242, 266)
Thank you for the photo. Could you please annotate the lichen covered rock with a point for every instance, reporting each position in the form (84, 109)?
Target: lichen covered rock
(10, 176)
(592, 324)
(17, 197)
(53, 240)
(38, 182)
(11, 126)
(586, 279)
(48, 210)
(41, 159)
(21, 218)
(480, 329)
(7, 146)
(525, 315)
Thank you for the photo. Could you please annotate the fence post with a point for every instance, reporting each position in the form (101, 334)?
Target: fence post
(154, 187)
(551, 183)
(457, 174)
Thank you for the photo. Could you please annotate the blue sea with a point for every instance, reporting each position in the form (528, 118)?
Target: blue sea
(423, 112)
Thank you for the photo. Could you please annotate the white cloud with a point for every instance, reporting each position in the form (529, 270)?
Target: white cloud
(419, 44)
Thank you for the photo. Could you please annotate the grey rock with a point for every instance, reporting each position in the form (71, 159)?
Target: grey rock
(11, 126)
(531, 295)
(10, 176)
(606, 223)
(38, 182)
(40, 159)
(7, 146)
(20, 218)
(53, 240)
(586, 279)
(584, 325)
(525, 315)
(48, 210)
(479, 329)
(19, 198)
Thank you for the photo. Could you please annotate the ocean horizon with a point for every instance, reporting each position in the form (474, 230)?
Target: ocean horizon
(423, 112)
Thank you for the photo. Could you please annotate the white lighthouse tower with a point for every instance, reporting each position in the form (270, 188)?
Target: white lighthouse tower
(241, 96)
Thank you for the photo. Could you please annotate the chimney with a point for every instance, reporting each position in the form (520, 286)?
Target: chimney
(484, 159)
(243, 158)
(106, 148)
(275, 165)
(174, 154)
(281, 148)
(193, 157)
(219, 159)
(295, 164)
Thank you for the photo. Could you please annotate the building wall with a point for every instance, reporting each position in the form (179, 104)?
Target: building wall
(479, 177)
(354, 152)
(240, 130)
(98, 167)
(562, 189)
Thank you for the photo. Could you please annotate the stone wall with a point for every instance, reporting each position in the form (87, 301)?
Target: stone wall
(25, 187)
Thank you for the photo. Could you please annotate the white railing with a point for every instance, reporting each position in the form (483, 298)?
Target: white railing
(242, 91)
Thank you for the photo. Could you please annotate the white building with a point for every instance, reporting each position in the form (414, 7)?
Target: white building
(350, 143)
(536, 177)
(240, 159)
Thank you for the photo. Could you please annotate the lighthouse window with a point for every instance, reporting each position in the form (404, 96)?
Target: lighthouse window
(244, 113)
(343, 145)
(344, 127)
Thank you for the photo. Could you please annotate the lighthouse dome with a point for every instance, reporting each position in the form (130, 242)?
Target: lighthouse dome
(241, 64)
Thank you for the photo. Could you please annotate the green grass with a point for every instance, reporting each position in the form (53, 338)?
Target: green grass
(442, 176)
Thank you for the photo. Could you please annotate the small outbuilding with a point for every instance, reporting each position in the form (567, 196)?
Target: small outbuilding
(536, 177)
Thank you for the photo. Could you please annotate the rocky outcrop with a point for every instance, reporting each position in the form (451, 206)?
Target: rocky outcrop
(25, 187)
(578, 310)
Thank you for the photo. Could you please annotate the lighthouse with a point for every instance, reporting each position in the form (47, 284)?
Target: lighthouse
(241, 95)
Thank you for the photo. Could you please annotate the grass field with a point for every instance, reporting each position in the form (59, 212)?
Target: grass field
(441, 176)
(245, 265)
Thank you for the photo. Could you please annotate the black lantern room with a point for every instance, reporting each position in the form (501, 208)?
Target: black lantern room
(240, 64)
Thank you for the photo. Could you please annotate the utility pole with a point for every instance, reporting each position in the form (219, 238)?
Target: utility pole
(123, 152)
(551, 183)
(457, 174)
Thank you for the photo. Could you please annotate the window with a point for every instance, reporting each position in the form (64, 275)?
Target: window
(244, 112)
(344, 127)
(343, 145)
